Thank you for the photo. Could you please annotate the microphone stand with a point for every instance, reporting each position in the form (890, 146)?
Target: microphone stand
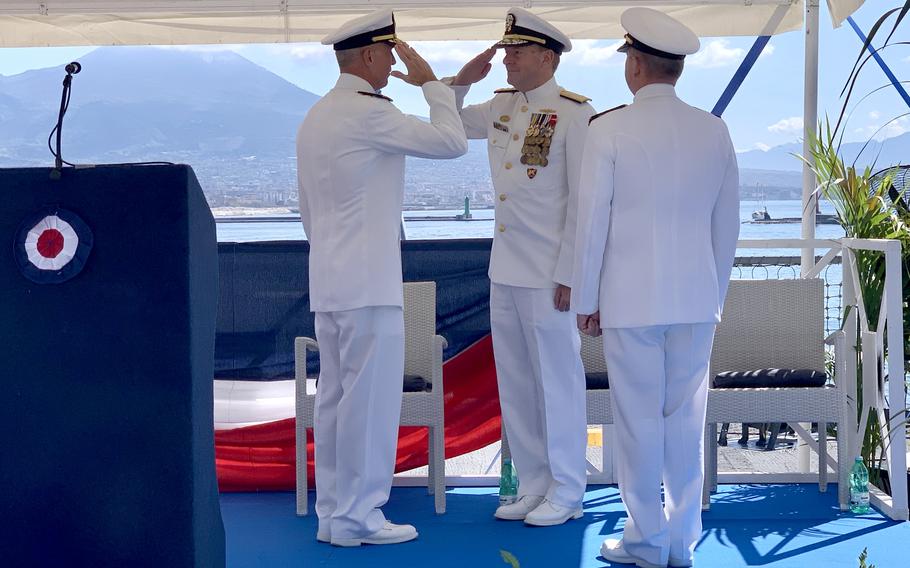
(71, 69)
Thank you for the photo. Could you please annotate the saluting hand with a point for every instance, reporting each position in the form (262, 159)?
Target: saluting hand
(475, 69)
(562, 297)
(419, 71)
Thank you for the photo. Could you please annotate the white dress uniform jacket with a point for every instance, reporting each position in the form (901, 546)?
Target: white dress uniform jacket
(351, 153)
(670, 169)
(535, 204)
(539, 371)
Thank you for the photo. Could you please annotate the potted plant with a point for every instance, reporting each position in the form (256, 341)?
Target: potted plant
(867, 205)
(865, 210)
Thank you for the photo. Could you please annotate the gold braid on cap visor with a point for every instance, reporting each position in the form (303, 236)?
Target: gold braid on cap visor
(519, 38)
(389, 37)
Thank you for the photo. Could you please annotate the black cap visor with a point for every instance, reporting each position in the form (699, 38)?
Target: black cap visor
(519, 36)
(632, 43)
(382, 35)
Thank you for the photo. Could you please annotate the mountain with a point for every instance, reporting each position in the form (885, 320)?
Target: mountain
(132, 104)
(769, 184)
(777, 158)
(880, 155)
(235, 123)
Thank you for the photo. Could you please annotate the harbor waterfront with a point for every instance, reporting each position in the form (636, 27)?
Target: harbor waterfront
(480, 226)
(288, 227)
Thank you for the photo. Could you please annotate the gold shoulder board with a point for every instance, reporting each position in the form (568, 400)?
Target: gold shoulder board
(600, 114)
(573, 96)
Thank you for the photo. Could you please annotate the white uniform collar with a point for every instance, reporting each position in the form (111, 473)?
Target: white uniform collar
(543, 93)
(354, 83)
(655, 90)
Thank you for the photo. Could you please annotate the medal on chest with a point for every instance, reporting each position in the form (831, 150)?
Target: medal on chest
(537, 140)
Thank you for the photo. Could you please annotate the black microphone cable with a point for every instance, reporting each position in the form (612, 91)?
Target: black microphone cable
(71, 69)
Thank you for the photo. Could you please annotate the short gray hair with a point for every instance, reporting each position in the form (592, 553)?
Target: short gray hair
(541, 49)
(347, 57)
(662, 67)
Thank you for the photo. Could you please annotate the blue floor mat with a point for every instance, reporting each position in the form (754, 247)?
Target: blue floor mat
(748, 525)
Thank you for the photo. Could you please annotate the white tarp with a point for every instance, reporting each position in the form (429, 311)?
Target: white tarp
(840, 9)
(27, 23)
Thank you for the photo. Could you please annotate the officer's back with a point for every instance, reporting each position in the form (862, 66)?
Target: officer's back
(671, 162)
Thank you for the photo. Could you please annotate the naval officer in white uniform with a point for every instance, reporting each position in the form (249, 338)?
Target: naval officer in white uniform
(657, 228)
(351, 152)
(535, 132)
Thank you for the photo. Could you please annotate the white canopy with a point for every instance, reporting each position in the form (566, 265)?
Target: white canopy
(33, 23)
(29, 23)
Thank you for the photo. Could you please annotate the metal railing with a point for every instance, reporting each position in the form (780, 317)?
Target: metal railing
(837, 267)
(884, 399)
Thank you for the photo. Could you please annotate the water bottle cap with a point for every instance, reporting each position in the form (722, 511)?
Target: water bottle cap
(858, 460)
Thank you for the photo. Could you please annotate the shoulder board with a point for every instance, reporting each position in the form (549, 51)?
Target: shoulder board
(600, 114)
(505, 90)
(573, 96)
(377, 95)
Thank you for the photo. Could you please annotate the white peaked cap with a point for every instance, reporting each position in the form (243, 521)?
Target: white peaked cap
(526, 28)
(653, 32)
(376, 27)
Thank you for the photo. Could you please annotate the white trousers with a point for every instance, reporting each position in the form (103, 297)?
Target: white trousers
(541, 391)
(659, 385)
(358, 408)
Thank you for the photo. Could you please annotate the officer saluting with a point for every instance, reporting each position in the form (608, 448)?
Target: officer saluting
(657, 228)
(535, 134)
(351, 156)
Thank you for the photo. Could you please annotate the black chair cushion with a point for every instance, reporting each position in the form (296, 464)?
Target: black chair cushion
(414, 383)
(597, 381)
(770, 378)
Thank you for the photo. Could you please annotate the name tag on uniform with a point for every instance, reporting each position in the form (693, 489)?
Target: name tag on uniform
(500, 126)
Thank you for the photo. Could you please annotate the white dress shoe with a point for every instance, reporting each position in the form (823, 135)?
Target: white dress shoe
(518, 510)
(613, 550)
(549, 513)
(389, 534)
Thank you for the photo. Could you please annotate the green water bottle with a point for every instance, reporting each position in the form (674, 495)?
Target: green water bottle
(508, 483)
(859, 487)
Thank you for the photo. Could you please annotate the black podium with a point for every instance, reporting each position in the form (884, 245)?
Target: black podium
(108, 290)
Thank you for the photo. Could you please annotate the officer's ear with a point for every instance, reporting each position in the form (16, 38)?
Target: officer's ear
(548, 57)
(367, 55)
(634, 63)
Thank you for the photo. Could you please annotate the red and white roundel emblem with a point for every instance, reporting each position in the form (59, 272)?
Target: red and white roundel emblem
(52, 246)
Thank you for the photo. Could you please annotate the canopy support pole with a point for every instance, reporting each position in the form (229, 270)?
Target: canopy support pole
(760, 42)
(810, 117)
(740, 75)
(810, 198)
(881, 62)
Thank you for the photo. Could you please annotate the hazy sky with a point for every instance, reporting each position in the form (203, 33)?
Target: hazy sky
(766, 112)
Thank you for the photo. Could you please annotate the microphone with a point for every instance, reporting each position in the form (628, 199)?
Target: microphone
(71, 69)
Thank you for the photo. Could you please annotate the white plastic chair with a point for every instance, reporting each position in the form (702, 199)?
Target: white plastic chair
(423, 358)
(777, 324)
